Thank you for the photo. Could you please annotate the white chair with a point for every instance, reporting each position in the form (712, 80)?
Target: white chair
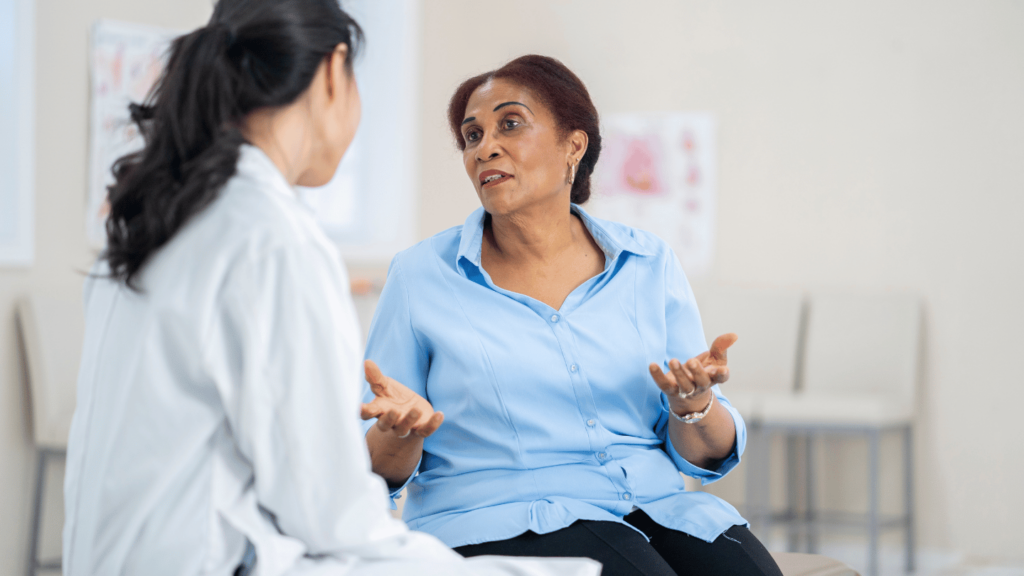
(763, 362)
(859, 374)
(51, 332)
(763, 365)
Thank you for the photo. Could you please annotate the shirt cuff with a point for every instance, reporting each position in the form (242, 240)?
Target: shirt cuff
(397, 492)
(708, 476)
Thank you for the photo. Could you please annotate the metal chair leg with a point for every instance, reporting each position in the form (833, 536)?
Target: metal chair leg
(873, 456)
(908, 496)
(37, 510)
(792, 493)
(753, 473)
(810, 495)
(765, 489)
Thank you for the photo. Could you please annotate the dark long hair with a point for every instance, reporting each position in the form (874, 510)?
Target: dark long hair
(252, 54)
(560, 90)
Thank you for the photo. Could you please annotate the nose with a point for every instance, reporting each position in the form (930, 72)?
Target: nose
(488, 149)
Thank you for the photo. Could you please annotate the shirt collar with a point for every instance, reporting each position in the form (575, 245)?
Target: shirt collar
(254, 164)
(611, 238)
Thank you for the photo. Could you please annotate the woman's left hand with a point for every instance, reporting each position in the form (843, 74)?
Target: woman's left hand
(686, 384)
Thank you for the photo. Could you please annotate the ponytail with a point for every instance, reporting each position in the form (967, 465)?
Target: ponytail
(252, 54)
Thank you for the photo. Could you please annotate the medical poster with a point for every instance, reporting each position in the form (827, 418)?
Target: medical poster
(126, 61)
(657, 173)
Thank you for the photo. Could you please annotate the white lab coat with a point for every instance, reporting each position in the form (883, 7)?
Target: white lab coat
(221, 404)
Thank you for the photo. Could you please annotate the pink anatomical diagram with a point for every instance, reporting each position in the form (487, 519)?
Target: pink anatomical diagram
(640, 168)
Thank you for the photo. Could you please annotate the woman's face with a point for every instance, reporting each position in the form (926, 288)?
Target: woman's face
(335, 111)
(514, 155)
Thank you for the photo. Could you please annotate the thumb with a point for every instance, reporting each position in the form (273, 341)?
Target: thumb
(374, 377)
(717, 353)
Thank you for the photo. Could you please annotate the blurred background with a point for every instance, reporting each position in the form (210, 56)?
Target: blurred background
(868, 147)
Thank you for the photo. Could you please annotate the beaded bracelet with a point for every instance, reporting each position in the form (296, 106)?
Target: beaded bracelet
(694, 417)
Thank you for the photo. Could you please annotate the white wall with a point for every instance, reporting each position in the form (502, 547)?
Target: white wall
(871, 144)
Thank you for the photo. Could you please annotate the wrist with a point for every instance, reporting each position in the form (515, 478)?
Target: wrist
(695, 417)
(695, 403)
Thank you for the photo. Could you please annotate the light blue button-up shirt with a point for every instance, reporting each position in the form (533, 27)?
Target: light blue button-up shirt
(551, 416)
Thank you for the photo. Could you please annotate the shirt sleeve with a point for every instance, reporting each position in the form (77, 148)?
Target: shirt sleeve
(685, 339)
(289, 334)
(395, 346)
(683, 465)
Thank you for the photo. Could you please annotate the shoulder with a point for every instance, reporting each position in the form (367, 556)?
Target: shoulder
(423, 257)
(260, 218)
(644, 244)
(248, 225)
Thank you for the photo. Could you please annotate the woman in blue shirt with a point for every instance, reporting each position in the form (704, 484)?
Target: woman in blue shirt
(538, 335)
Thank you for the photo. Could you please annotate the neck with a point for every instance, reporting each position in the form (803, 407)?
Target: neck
(282, 135)
(537, 234)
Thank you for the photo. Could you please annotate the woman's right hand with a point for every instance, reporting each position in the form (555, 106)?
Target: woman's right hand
(400, 412)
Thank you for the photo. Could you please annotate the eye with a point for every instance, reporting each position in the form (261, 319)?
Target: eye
(472, 136)
(509, 123)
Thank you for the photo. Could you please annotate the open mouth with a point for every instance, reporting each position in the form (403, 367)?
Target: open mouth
(493, 177)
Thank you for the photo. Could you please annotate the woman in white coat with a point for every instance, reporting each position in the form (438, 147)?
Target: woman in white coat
(217, 423)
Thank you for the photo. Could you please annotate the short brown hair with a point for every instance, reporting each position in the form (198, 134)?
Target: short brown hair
(560, 90)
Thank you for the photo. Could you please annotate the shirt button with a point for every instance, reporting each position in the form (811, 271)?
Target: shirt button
(572, 368)
(554, 317)
(591, 422)
(627, 496)
(602, 455)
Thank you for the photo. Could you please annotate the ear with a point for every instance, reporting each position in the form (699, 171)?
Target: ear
(578, 142)
(337, 73)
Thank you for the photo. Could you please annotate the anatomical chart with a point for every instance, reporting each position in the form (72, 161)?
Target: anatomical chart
(126, 61)
(657, 173)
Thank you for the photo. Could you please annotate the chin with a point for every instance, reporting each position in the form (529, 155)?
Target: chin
(502, 202)
(497, 203)
(321, 173)
(315, 178)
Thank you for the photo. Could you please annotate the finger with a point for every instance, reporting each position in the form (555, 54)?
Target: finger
(717, 353)
(376, 379)
(387, 420)
(683, 376)
(431, 426)
(718, 374)
(406, 423)
(371, 410)
(701, 379)
(685, 368)
(664, 381)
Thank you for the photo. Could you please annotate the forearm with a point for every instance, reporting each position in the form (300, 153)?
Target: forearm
(708, 442)
(392, 458)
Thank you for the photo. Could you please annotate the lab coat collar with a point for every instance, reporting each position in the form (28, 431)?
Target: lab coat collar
(255, 165)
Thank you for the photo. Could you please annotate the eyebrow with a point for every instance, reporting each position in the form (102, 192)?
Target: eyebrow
(496, 108)
(500, 106)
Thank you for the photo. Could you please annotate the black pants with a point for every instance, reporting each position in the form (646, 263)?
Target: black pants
(623, 552)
